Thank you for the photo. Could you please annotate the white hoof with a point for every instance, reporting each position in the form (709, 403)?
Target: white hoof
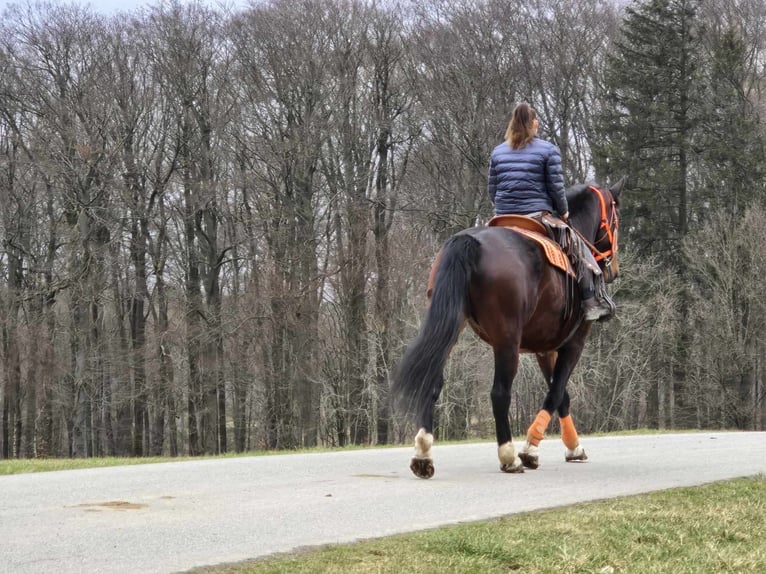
(576, 454)
(509, 460)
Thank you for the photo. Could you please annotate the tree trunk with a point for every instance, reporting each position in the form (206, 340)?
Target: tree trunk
(382, 225)
(138, 336)
(213, 420)
(164, 397)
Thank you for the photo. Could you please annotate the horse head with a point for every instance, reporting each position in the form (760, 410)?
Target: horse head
(595, 215)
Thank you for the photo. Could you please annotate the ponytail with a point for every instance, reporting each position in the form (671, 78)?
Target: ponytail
(521, 129)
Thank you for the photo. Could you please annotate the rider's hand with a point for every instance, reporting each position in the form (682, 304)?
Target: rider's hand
(565, 217)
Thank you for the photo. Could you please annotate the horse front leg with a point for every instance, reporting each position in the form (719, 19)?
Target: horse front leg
(506, 365)
(574, 451)
(557, 368)
(529, 454)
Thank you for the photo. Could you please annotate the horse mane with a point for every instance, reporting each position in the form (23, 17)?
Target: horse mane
(577, 194)
(577, 190)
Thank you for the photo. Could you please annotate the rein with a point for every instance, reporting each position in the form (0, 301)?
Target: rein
(609, 234)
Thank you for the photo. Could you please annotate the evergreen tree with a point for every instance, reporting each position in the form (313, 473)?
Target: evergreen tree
(650, 121)
(732, 142)
(650, 117)
(676, 118)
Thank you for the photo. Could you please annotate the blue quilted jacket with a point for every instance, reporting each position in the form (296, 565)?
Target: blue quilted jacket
(527, 180)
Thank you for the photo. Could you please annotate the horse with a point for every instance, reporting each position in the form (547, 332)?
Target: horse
(500, 283)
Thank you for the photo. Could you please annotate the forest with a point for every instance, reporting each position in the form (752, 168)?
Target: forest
(217, 224)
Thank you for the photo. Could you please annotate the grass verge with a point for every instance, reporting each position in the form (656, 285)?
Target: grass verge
(709, 529)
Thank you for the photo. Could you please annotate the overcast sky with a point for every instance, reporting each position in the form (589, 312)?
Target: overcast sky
(114, 6)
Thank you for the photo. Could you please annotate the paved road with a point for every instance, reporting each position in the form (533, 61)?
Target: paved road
(175, 516)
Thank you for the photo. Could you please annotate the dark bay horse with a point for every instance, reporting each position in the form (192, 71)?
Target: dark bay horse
(500, 283)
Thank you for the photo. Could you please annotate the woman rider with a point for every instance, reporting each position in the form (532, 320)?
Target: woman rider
(525, 178)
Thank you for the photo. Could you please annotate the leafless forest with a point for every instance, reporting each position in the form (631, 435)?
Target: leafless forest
(217, 225)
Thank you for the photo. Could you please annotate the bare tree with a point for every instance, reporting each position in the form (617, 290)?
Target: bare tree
(62, 50)
(220, 221)
(561, 48)
(189, 56)
(282, 52)
(466, 92)
(729, 314)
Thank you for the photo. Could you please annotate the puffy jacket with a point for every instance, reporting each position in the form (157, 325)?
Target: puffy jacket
(527, 180)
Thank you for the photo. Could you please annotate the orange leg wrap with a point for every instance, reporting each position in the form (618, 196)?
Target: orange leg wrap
(569, 433)
(536, 430)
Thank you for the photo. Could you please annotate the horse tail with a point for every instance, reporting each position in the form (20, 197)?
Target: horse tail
(419, 378)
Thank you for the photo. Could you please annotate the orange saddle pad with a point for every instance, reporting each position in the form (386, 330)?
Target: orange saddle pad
(536, 231)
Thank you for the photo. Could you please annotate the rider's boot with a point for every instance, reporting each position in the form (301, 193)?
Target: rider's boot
(594, 308)
(596, 305)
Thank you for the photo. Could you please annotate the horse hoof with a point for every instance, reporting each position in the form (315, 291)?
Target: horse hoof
(530, 456)
(578, 454)
(531, 461)
(517, 468)
(422, 467)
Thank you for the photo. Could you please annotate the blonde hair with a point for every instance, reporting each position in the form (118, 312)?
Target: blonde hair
(521, 128)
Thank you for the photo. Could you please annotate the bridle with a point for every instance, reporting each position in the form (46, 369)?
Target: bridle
(609, 225)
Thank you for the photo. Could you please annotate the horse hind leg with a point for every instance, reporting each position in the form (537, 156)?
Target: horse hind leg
(506, 364)
(421, 464)
(509, 458)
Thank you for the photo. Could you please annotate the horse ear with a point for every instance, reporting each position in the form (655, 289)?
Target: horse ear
(616, 189)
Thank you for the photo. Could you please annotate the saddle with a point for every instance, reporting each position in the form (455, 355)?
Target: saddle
(538, 232)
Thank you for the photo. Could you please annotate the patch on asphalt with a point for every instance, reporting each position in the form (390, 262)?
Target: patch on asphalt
(117, 505)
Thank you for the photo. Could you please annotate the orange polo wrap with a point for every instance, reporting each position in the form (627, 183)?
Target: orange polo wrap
(536, 430)
(569, 433)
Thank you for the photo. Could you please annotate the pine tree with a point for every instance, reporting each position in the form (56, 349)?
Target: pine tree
(732, 141)
(677, 120)
(650, 118)
(648, 126)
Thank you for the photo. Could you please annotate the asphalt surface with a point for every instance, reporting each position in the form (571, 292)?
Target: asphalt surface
(176, 516)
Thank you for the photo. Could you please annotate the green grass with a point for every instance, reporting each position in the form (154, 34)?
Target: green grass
(711, 529)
